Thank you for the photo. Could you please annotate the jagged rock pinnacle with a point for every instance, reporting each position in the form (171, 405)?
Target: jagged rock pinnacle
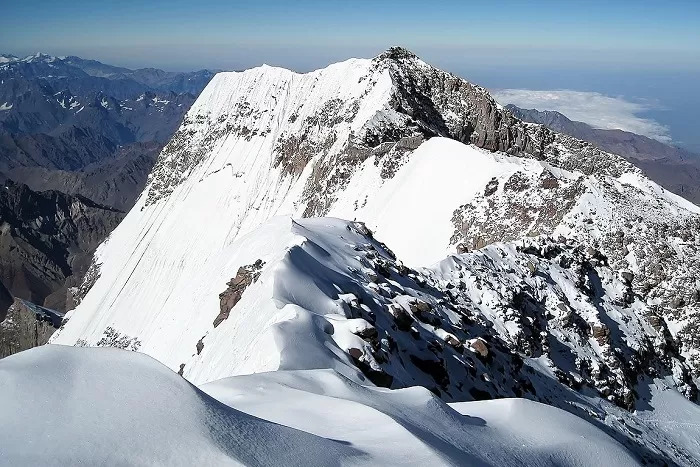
(397, 53)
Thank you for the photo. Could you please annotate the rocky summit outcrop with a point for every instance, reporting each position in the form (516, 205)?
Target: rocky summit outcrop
(47, 240)
(442, 104)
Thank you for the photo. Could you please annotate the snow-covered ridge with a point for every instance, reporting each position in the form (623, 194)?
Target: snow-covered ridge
(591, 297)
(329, 296)
(328, 121)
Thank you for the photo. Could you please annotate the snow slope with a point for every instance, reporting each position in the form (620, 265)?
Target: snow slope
(280, 418)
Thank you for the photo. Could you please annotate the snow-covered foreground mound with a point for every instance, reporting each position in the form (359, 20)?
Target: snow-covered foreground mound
(123, 408)
(65, 406)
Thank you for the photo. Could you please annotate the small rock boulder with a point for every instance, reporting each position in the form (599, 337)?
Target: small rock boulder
(627, 277)
(402, 319)
(479, 346)
(600, 333)
(419, 306)
(452, 341)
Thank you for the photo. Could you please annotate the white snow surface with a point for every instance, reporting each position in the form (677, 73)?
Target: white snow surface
(69, 406)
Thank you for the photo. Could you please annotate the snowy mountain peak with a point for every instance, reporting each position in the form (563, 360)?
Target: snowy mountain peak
(39, 56)
(556, 271)
(5, 58)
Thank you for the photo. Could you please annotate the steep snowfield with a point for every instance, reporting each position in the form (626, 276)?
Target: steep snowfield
(67, 406)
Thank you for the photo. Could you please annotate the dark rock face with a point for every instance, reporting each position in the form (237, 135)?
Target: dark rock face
(438, 103)
(5, 301)
(430, 96)
(245, 276)
(26, 326)
(47, 240)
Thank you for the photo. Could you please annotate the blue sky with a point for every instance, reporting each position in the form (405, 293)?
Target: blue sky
(178, 34)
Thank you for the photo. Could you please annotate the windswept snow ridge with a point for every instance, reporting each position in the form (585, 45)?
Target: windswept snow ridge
(535, 319)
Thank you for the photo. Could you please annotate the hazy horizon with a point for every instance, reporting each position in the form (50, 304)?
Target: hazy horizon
(645, 55)
(179, 35)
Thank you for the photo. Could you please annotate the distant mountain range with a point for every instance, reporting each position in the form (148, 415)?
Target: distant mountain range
(68, 114)
(46, 238)
(89, 133)
(94, 75)
(676, 169)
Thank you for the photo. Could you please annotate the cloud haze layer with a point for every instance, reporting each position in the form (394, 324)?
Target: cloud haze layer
(598, 110)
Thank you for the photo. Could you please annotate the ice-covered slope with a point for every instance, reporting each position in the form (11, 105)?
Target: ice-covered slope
(119, 408)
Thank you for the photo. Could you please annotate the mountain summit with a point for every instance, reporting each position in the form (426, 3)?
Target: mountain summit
(495, 258)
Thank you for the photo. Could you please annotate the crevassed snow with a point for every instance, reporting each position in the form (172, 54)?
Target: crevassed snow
(106, 407)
